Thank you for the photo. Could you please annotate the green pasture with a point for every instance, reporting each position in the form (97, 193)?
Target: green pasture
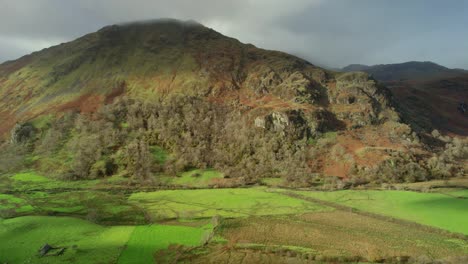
(146, 240)
(85, 242)
(10, 205)
(98, 206)
(22, 237)
(29, 177)
(225, 202)
(434, 209)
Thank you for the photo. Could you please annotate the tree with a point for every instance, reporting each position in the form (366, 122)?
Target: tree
(87, 151)
(138, 159)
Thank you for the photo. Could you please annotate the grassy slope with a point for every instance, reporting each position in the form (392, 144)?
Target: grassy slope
(224, 202)
(433, 209)
(433, 102)
(98, 63)
(22, 237)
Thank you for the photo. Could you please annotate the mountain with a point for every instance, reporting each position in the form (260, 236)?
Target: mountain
(411, 70)
(428, 94)
(109, 102)
(148, 60)
(355, 67)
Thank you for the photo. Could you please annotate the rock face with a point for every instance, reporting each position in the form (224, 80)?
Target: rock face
(303, 87)
(361, 101)
(352, 100)
(291, 123)
(276, 121)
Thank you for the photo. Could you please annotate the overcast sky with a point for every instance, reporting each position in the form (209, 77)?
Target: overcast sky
(331, 33)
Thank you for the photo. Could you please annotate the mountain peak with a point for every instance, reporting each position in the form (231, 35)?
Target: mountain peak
(145, 59)
(160, 22)
(157, 24)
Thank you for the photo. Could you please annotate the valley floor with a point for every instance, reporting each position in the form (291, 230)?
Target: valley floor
(103, 222)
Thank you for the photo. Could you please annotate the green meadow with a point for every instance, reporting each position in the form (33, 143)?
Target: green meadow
(29, 177)
(146, 240)
(240, 202)
(11, 203)
(85, 242)
(99, 221)
(443, 210)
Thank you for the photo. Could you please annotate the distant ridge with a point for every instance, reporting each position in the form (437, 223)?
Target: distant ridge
(404, 71)
(428, 93)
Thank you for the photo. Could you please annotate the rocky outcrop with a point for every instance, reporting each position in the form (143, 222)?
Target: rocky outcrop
(298, 124)
(289, 123)
(288, 85)
(360, 100)
(22, 133)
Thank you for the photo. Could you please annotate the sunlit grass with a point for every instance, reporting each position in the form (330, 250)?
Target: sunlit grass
(146, 240)
(29, 177)
(433, 209)
(225, 202)
(85, 242)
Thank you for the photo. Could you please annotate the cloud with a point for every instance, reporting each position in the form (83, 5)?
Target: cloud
(17, 46)
(326, 32)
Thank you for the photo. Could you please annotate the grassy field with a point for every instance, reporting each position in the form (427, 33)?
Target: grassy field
(433, 209)
(99, 206)
(22, 237)
(457, 193)
(146, 240)
(258, 223)
(29, 177)
(29, 193)
(31, 181)
(10, 205)
(341, 233)
(224, 202)
(85, 242)
(336, 236)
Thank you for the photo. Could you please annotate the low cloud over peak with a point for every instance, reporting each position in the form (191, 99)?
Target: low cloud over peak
(333, 33)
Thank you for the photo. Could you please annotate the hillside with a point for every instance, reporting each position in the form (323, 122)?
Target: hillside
(435, 103)
(411, 70)
(143, 100)
(428, 94)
